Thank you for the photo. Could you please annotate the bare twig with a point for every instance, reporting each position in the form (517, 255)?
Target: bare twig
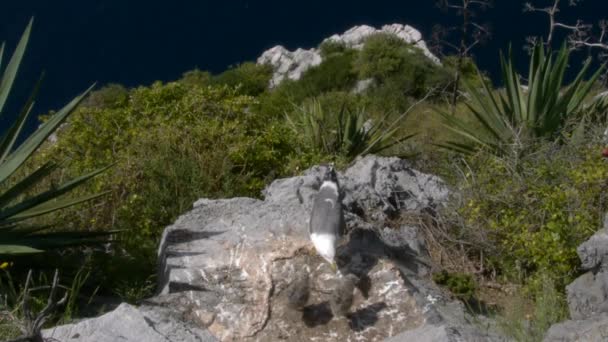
(32, 326)
(470, 33)
(580, 34)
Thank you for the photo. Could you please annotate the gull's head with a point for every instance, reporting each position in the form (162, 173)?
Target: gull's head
(330, 174)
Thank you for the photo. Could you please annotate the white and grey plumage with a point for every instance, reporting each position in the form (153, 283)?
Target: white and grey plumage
(327, 217)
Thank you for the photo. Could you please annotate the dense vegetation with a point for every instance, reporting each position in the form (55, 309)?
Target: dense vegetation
(517, 220)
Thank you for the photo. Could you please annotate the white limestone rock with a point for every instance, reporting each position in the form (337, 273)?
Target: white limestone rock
(292, 64)
(289, 64)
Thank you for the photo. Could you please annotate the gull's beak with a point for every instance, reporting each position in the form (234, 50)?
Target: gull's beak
(334, 266)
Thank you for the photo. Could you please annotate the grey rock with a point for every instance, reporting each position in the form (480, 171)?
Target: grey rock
(247, 254)
(594, 252)
(356, 36)
(362, 85)
(381, 187)
(431, 333)
(289, 64)
(131, 324)
(292, 64)
(342, 295)
(227, 268)
(590, 330)
(587, 295)
(298, 292)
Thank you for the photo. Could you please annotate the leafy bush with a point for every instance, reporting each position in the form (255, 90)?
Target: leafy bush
(196, 77)
(335, 73)
(389, 60)
(110, 96)
(517, 114)
(250, 78)
(345, 132)
(527, 217)
(172, 144)
(468, 70)
(330, 47)
(460, 284)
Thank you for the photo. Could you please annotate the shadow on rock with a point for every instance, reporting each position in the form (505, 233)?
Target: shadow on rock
(365, 247)
(317, 314)
(364, 285)
(365, 317)
(185, 235)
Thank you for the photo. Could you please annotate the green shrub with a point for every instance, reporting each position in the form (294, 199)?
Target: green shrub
(250, 78)
(343, 132)
(532, 214)
(388, 59)
(172, 144)
(383, 55)
(334, 73)
(109, 96)
(460, 284)
(468, 70)
(329, 47)
(528, 316)
(196, 77)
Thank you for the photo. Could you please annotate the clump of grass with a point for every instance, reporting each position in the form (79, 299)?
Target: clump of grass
(461, 285)
(530, 314)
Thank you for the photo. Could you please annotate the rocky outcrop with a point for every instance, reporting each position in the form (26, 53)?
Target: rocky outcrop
(355, 37)
(588, 294)
(129, 323)
(292, 64)
(228, 268)
(289, 64)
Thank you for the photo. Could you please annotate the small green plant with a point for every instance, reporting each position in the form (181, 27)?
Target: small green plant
(460, 285)
(345, 132)
(15, 238)
(331, 47)
(393, 63)
(196, 77)
(528, 316)
(507, 121)
(250, 78)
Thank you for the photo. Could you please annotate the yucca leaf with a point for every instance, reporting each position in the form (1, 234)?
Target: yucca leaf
(8, 249)
(16, 230)
(9, 138)
(49, 207)
(15, 238)
(2, 53)
(17, 158)
(541, 111)
(15, 211)
(26, 183)
(8, 77)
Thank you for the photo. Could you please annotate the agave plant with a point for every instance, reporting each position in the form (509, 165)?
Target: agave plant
(507, 118)
(15, 207)
(349, 133)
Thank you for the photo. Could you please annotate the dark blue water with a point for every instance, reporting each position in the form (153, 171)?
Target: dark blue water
(136, 42)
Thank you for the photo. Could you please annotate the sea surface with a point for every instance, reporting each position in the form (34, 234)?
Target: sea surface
(136, 42)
